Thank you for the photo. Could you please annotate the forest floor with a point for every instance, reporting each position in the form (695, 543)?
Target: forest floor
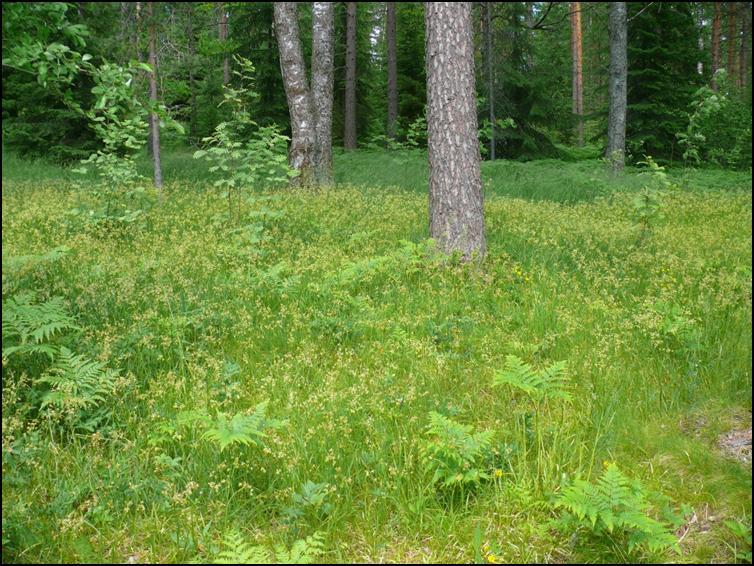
(331, 306)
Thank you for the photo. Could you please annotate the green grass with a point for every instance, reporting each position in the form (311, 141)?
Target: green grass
(354, 337)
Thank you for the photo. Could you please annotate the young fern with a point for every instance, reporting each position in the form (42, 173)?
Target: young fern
(238, 551)
(29, 326)
(453, 453)
(303, 551)
(241, 429)
(76, 383)
(613, 506)
(549, 383)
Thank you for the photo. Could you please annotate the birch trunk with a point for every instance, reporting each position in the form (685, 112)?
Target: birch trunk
(300, 107)
(154, 120)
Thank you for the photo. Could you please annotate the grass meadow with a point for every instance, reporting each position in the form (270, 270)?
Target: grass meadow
(331, 307)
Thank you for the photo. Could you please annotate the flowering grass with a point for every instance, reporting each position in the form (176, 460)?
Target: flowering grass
(331, 306)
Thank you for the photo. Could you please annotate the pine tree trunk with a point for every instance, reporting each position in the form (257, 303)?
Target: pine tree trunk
(392, 73)
(732, 33)
(715, 44)
(578, 88)
(300, 107)
(322, 88)
(223, 36)
(349, 134)
(456, 210)
(616, 130)
(487, 32)
(743, 58)
(154, 120)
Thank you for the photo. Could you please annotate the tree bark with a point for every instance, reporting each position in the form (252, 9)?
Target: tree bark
(487, 32)
(578, 86)
(300, 107)
(743, 58)
(322, 88)
(192, 62)
(715, 44)
(154, 120)
(349, 134)
(616, 130)
(223, 36)
(732, 36)
(392, 73)
(456, 208)
(700, 40)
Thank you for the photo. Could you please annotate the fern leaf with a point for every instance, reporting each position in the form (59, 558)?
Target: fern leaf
(548, 383)
(237, 551)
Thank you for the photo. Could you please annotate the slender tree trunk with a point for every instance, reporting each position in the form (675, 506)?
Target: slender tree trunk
(349, 135)
(154, 120)
(300, 107)
(700, 40)
(616, 130)
(743, 58)
(578, 87)
(716, 43)
(223, 36)
(732, 36)
(192, 63)
(456, 208)
(322, 87)
(392, 73)
(487, 32)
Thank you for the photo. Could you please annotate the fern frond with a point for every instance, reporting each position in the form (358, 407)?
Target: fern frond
(614, 503)
(303, 551)
(76, 382)
(237, 551)
(29, 326)
(453, 452)
(547, 383)
(241, 428)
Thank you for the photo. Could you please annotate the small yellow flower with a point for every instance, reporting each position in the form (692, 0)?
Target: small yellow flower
(498, 473)
(492, 559)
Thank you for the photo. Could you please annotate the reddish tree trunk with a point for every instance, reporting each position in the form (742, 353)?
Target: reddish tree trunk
(578, 86)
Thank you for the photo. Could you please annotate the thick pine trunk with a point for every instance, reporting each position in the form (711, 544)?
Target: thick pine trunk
(223, 36)
(456, 210)
(616, 129)
(349, 134)
(487, 32)
(154, 120)
(578, 87)
(322, 88)
(392, 73)
(302, 154)
(716, 44)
